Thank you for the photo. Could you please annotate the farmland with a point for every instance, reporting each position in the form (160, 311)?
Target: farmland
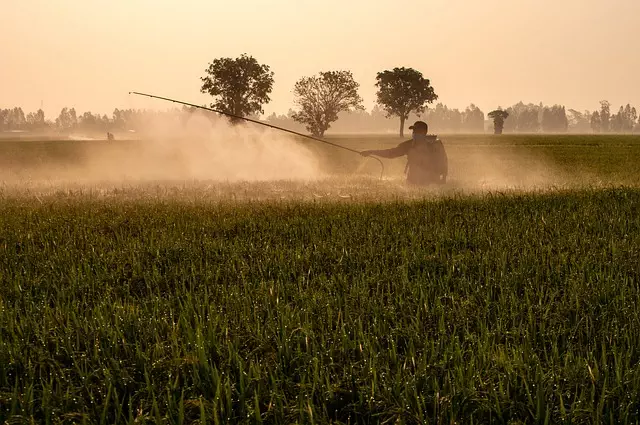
(510, 295)
(487, 162)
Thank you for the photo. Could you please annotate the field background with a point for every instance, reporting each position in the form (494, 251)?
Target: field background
(514, 160)
(315, 302)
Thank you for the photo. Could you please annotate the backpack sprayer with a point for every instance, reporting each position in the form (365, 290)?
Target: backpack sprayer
(262, 123)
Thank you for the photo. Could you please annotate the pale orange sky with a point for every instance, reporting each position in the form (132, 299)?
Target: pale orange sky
(90, 53)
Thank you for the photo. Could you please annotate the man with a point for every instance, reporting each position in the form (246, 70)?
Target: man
(426, 158)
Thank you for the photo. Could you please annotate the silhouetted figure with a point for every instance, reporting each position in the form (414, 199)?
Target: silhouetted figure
(110, 136)
(427, 161)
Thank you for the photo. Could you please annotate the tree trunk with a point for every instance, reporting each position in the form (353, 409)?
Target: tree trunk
(402, 125)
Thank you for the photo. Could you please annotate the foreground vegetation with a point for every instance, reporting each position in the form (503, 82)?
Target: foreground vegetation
(469, 309)
(333, 301)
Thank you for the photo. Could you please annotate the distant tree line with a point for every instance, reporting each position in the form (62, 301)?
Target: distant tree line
(241, 87)
(603, 121)
(531, 118)
(522, 118)
(440, 118)
(69, 121)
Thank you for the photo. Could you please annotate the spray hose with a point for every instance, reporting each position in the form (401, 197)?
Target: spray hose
(264, 124)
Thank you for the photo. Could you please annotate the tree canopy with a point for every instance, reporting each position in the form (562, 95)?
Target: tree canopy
(320, 98)
(239, 86)
(403, 91)
(498, 117)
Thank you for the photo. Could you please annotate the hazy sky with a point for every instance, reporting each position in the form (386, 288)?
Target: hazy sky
(90, 53)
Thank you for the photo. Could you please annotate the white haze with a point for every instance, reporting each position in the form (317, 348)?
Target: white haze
(181, 147)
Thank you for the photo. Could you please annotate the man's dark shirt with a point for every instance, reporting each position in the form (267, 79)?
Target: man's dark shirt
(426, 159)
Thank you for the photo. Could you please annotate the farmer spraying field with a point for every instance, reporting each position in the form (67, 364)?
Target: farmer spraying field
(427, 161)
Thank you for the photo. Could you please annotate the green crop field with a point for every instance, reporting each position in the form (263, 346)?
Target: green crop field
(478, 161)
(509, 296)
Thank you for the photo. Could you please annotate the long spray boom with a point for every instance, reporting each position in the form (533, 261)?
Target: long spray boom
(261, 123)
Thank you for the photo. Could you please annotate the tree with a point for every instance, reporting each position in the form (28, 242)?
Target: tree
(579, 121)
(498, 117)
(441, 118)
(605, 115)
(12, 119)
(473, 119)
(616, 122)
(20, 120)
(596, 123)
(118, 119)
(523, 118)
(352, 121)
(285, 121)
(379, 120)
(36, 121)
(4, 113)
(321, 98)
(93, 123)
(511, 123)
(239, 86)
(547, 120)
(67, 120)
(528, 120)
(624, 121)
(630, 116)
(554, 119)
(402, 91)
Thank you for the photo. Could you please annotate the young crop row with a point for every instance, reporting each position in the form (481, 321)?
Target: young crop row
(476, 310)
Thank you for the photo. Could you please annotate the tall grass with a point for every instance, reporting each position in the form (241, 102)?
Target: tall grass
(485, 309)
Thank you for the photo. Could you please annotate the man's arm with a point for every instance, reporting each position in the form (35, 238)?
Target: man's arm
(400, 150)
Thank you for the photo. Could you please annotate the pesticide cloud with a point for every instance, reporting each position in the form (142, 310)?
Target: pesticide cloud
(488, 169)
(183, 146)
(203, 155)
